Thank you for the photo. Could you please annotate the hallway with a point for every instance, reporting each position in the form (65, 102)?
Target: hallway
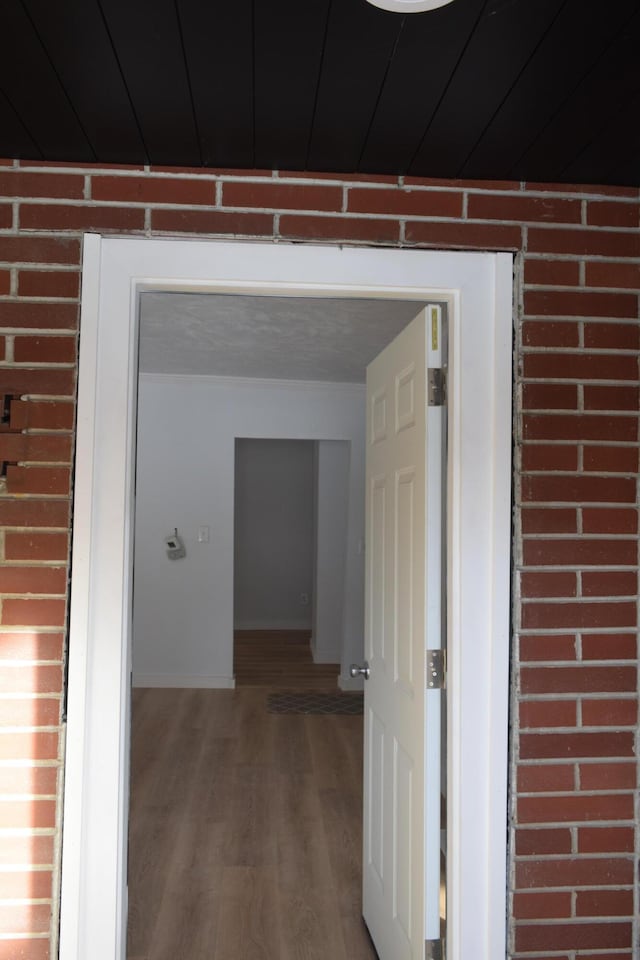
(245, 830)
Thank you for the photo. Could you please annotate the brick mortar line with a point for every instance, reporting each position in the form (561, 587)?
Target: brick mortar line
(582, 696)
(587, 474)
(9, 528)
(27, 597)
(574, 381)
(296, 212)
(18, 664)
(585, 631)
(561, 601)
(35, 365)
(618, 537)
(26, 831)
(579, 350)
(146, 171)
(34, 266)
(526, 923)
(554, 442)
(569, 730)
(27, 763)
(128, 203)
(48, 397)
(568, 857)
(30, 728)
(582, 504)
(29, 695)
(584, 205)
(572, 663)
(25, 797)
(43, 464)
(572, 567)
(555, 599)
(575, 761)
(573, 697)
(9, 901)
(54, 464)
(630, 322)
(570, 696)
(581, 259)
(579, 319)
(556, 888)
(579, 288)
(578, 470)
(57, 398)
(44, 432)
(572, 918)
(20, 298)
(24, 936)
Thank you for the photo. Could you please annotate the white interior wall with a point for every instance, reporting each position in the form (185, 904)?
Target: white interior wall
(273, 537)
(187, 427)
(332, 510)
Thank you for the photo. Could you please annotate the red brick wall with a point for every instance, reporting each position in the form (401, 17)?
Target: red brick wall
(575, 656)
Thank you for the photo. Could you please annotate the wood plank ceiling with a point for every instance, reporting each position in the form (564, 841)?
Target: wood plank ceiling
(545, 90)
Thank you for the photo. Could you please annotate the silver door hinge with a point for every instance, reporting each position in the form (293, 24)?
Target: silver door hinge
(437, 387)
(434, 950)
(436, 669)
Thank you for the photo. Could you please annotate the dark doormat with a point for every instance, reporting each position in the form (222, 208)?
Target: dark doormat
(350, 704)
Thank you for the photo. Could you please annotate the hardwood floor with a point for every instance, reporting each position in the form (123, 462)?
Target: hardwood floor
(282, 659)
(245, 828)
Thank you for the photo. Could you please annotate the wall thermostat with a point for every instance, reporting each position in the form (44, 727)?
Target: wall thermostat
(175, 546)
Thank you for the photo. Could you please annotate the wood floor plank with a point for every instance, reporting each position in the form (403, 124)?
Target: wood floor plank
(249, 925)
(188, 919)
(292, 752)
(255, 736)
(310, 930)
(251, 840)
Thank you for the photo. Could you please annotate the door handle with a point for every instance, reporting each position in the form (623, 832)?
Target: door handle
(355, 670)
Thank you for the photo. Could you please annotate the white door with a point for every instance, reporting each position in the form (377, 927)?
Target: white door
(401, 863)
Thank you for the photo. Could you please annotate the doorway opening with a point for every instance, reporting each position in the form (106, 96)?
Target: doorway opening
(478, 288)
(315, 487)
(275, 540)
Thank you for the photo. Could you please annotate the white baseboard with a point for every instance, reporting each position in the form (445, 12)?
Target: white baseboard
(168, 681)
(346, 682)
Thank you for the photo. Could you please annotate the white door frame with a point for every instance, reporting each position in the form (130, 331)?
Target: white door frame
(478, 289)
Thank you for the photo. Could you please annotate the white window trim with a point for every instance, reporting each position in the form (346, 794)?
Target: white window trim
(478, 287)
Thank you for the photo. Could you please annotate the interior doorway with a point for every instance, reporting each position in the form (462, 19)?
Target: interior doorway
(94, 898)
(274, 563)
(273, 548)
(293, 573)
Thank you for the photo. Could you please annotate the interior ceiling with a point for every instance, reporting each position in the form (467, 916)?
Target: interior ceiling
(279, 338)
(545, 90)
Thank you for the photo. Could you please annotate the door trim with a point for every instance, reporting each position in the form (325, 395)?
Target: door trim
(478, 290)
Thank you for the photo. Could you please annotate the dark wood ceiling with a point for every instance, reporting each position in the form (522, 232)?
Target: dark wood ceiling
(545, 90)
